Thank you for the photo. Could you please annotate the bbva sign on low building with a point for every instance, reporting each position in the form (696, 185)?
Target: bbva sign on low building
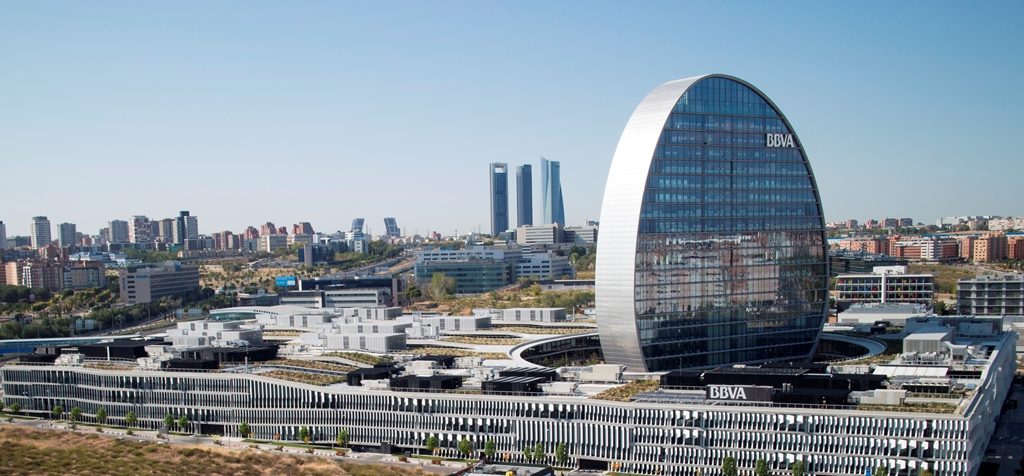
(738, 393)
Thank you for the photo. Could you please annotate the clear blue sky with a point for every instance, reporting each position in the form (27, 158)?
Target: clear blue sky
(244, 112)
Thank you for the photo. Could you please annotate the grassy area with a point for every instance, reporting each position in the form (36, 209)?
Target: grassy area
(456, 352)
(946, 275)
(625, 393)
(26, 451)
(360, 357)
(311, 364)
(303, 377)
(911, 407)
(544, 330)
(484, 340)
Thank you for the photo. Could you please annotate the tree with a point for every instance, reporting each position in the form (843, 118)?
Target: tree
(169, 421)
(538, 451)
(729, 466)
(465, 447)
(342, 438)
(924, 472)
(57, 411)
(880, 471)
(304, 434)
(761, 467)
(432, 444)
(15, 408)
(101, 416)
(798, 468)
(489, 449)
(75, 414)
(528, 453)
(183, 422)
(243, 429)
(441, 286)
(130, 419)
(1, 406)
(562, 454)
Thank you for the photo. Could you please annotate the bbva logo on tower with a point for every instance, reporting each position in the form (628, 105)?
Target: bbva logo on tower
(779, 140)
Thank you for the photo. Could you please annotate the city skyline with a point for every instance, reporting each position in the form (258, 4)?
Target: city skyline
(111, 93)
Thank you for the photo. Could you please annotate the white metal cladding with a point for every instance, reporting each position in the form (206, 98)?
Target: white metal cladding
(643, 438)
(620, 219)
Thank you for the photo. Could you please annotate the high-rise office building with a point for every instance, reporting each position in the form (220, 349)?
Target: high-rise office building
(118, 231)
(391, 227)
(551, 194)
(139, 229)
(186, 227)
(713, 247)
(66, 234)
(499, 198)
(302, 228)
(524, 195)
(40, 232)
(166, 232)
(3, 236)
(357, 225)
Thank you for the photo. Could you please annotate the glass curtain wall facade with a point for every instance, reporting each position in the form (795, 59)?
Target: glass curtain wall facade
(551, 178)
(524, 195)
(499, 198)
(719, 254)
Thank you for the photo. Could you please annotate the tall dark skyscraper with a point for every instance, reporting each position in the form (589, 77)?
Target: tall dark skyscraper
(524, 195)
(499, 198)
(391, 227)
(551, 195)
(357, 225)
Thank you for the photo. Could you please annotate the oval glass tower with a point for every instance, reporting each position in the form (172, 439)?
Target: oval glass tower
(712, 246)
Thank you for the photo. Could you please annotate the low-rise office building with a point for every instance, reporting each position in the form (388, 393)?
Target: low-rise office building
(674, 432)
(142, 285)
(895, 314)
(885, 284)
(523, 314)
(215, 333)
(471, 276)
(847, 262)
(991, 295)
(544, 266)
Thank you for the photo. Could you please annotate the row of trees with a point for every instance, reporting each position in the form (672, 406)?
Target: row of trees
(530, 453)
(730, 468)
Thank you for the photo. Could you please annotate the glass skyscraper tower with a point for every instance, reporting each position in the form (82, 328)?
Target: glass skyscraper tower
(551, 195)
(524, 195)
(499, 198)
(713, 244)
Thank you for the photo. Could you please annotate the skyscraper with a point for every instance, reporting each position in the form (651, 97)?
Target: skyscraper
(66, 234)
(499, 198)
(167, 227)
(524, 195)
(391, 227)
(186, 227)
(118, 231)
(357, 225)
(40, 232)
(3, 236)
(139, 229)
(713, 246)
(551, 194)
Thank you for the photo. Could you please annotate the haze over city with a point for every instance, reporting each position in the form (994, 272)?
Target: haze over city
(255, 111)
